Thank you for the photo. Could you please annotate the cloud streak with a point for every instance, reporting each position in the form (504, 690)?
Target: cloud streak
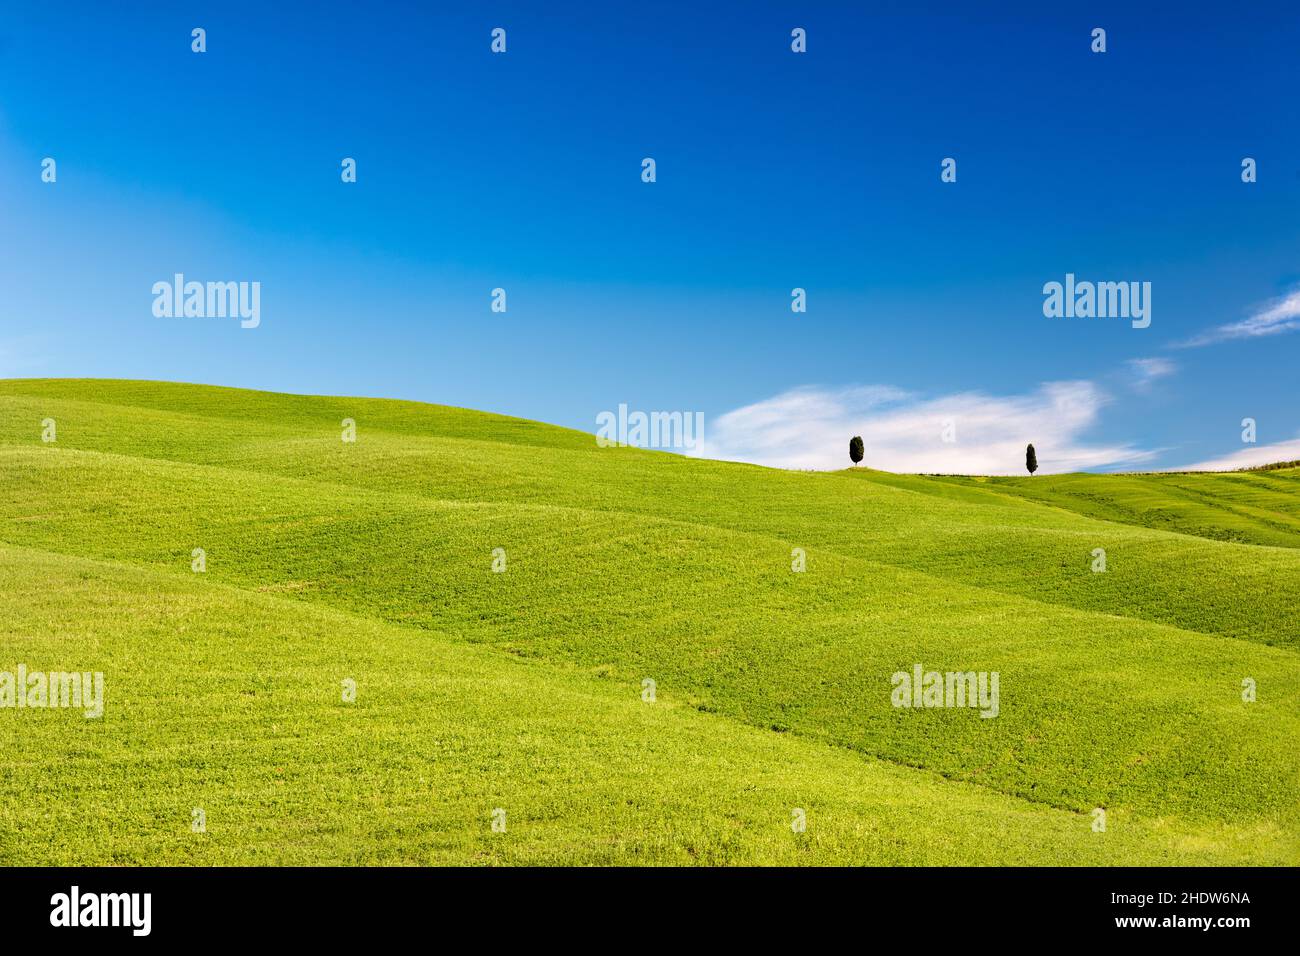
(1249, 457)
(1146, 371)
(810, 427)
(1280, 315)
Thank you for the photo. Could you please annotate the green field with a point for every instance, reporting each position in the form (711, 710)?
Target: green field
(372, 561)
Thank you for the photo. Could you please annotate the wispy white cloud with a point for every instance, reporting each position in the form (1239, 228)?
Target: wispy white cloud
(1249, 457)
(810, 427)
(1145, 371)
(1280, 315)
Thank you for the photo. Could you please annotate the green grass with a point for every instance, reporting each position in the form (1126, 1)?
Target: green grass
(522, 690)
(1259, 506)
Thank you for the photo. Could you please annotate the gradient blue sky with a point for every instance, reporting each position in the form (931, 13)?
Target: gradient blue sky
(775, 170)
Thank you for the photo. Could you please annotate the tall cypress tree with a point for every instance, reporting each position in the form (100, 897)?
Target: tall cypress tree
(1031, 460)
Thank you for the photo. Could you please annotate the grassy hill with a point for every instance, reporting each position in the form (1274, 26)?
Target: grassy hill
(1259, 506)
(372, 561)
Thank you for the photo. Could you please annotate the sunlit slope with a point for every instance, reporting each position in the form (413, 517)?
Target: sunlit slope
(1254, 507)
(624, 565)
(974, 534)
(1104, 710)
(272, 408)
(229, 702)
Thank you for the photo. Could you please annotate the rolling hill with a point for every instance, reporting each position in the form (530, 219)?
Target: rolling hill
(524, 690)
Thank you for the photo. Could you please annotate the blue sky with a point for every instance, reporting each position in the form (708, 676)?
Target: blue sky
(775, 170)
